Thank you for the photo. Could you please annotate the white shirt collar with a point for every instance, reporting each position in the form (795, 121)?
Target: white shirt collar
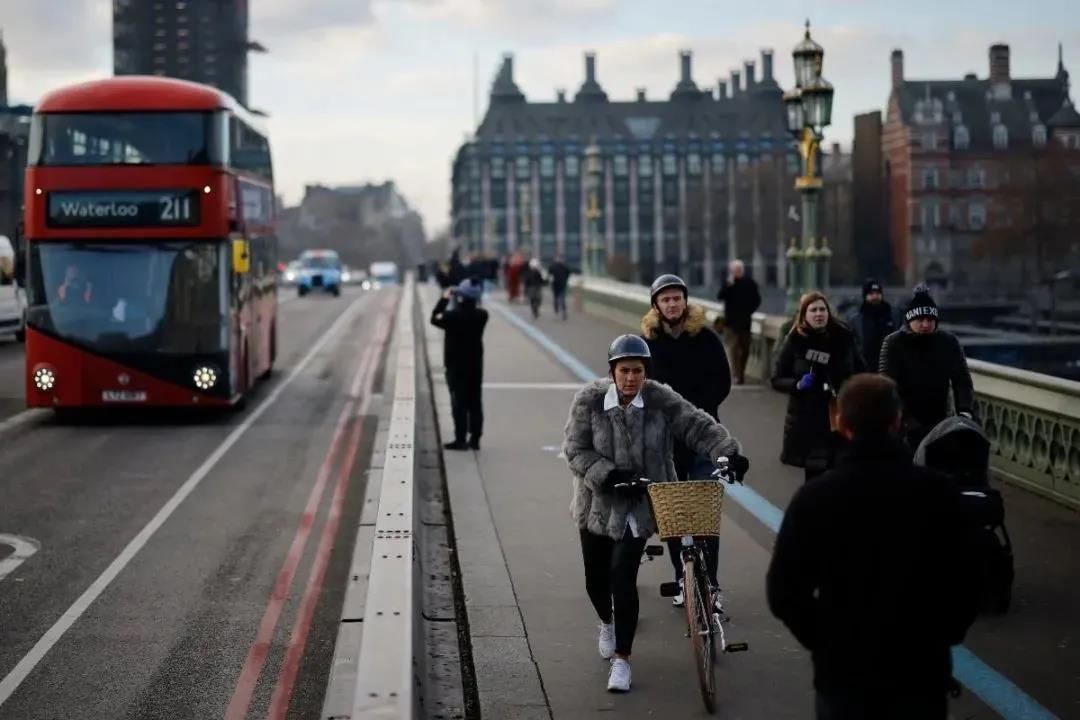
(611, 399)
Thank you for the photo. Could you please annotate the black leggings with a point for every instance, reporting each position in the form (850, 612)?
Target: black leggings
(611, 569)
(712, 559)
(466, 404)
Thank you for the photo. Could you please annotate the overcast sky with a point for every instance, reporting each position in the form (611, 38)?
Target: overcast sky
(365, 90)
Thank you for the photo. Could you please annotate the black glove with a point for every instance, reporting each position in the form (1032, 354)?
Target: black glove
(737, 468)
(618, 476)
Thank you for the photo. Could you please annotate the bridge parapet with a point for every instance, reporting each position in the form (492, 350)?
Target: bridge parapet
(1032, 420)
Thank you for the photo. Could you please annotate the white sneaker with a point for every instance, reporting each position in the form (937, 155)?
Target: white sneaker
(679, 600)
(619, 677)
(606, 643)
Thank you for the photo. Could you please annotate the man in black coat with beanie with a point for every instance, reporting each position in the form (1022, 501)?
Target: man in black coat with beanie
(457, 313)
(857, 545)
(926, 362)
(872, 322)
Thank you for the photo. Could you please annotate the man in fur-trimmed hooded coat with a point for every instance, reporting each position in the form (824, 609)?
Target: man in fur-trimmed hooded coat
(599, 440)
(689, 356)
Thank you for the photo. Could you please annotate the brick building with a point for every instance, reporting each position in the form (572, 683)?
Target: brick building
(689, 182)
(945, 147)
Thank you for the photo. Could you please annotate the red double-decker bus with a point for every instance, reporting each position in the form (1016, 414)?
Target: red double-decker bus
(151, 251)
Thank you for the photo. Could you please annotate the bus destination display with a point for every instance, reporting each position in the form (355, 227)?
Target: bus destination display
(124, 208)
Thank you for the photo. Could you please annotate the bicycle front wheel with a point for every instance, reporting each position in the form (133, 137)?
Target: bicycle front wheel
(699, 620)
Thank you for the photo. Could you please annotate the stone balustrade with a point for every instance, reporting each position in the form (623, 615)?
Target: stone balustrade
(1032, 420)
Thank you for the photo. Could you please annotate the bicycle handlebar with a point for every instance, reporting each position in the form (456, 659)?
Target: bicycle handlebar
(723, 472)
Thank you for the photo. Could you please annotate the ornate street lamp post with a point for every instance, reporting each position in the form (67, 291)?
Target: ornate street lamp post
(525, 215)
(594, 171)
(809, 112)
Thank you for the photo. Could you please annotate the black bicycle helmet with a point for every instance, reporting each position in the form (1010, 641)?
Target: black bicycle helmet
(628, 346)
(663, 283)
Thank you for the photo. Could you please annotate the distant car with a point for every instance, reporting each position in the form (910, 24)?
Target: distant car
(319, 270)
(292, 271)
(12, 299)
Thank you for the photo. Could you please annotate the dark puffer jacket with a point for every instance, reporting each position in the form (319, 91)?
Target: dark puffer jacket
(833, 357)
(924, 367)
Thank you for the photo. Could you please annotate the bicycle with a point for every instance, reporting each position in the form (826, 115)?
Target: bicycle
(690, 510)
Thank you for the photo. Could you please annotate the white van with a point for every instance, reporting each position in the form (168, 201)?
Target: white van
(12, 302)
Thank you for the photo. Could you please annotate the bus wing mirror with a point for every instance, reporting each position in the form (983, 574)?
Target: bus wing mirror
(241, 254)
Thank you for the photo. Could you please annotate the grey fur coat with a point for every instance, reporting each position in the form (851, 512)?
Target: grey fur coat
(638, 439)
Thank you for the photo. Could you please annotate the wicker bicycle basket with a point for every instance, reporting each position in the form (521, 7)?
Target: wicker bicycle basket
(690, 507)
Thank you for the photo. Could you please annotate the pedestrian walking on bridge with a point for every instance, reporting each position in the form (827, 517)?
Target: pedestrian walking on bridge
(856, 549)
(815, 359)
(926, 363)
(689, 356)
(621, 429)
(459, 314)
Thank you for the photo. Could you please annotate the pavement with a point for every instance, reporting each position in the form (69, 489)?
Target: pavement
(533, 632)
(173, 563)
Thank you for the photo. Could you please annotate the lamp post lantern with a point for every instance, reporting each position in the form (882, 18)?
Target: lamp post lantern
(808, 110)
(594, 173)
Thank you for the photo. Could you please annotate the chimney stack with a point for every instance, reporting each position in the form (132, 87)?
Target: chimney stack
(749, 65)
(722, 87)
(590, 67)
(897, 68)
(561, 94)
(684, 60)
(734, 83)
(999, 63)
(508, 66)
(836, 149)
(641, 94)
(766, 66)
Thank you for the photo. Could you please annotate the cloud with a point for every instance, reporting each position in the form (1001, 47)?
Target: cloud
(51, 44)
(525, 19)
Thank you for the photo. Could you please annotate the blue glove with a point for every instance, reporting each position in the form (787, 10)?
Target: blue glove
(806, 381)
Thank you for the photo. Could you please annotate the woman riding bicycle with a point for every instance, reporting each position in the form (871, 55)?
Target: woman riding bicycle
(622, 428)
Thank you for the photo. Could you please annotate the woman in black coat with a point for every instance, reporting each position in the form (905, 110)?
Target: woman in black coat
(814, 360)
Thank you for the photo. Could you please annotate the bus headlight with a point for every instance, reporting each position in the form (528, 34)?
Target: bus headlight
(44, 379)
(205, 378)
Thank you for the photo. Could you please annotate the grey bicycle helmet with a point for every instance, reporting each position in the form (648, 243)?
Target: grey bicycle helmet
(628, 346)
(663, 283)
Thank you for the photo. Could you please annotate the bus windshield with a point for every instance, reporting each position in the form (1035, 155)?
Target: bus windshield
(162, 298)
(128, 138)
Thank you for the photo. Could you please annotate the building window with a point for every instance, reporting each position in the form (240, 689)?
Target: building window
(930, 178)
(718, 164)
(1001, 137)
(572, 165)
(159, 59)
(182, 59)
(977, 215)
(1038, 136)
(181, 32)
(181, 5)
(210, 58)
(929, 141)
(644, 165)
(742, 161)
(160, 32)
(498, 168)
(931, 214)
(671, 167)
(159, 47)
(620, 166)
(693, 164)
(183, 46)
(976, 177)
(547, 166)
(521, 167)
(792, 164)
(961, 137)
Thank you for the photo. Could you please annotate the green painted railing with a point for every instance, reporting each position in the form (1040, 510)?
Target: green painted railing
(1032, 420)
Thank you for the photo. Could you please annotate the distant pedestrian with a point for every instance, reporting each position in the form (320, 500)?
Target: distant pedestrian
(926, 362)
(559, 272)
(689, 356)
(459, 314)
(534, 285)
(741, 300)
(515, 266)
(872, 322)
(621, 429)
(813, 362)
(871, 572)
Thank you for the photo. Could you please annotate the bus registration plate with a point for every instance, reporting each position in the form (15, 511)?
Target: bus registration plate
(124, 208)
(124, 396)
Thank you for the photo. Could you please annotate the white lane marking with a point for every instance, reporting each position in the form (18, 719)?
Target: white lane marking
(23, 548)
(25, 417)
(25, 666)
(531, 386)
